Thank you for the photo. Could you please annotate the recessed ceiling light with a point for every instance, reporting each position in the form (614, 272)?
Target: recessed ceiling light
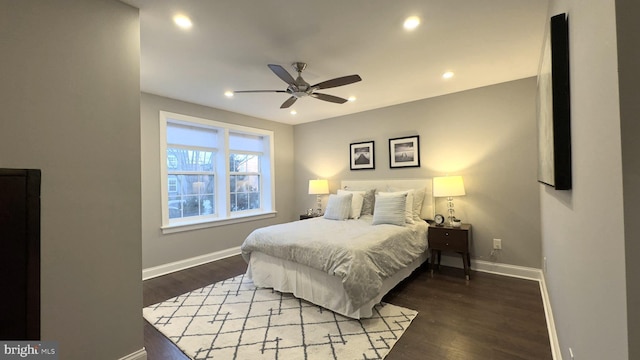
(293, 112)
(352, 98)
(228, 93)
(182, 21)
(411, 22)
(447, 75)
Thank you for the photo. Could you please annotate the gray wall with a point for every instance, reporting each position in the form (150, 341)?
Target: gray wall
(159, 249)
(583, 232)
(628, 33)
(70, 102)
(487, 135)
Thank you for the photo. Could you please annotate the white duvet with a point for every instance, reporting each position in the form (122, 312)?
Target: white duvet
(359, 253)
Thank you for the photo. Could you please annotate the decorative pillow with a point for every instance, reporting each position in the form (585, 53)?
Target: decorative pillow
(369, 201)
(418, 199)
(408, 205)
(338, 207)
(390, 209)
(356, 202)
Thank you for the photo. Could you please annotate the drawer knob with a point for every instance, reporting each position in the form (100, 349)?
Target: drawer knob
(446, 234)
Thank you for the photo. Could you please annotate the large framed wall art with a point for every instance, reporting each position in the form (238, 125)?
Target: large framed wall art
(554, 108)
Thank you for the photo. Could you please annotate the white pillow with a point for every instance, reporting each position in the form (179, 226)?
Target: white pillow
(338, 207)
(390, 209)
(418, 199)
(408, 203)
(356, 202)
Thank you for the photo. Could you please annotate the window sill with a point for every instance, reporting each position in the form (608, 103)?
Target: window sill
(174, 228)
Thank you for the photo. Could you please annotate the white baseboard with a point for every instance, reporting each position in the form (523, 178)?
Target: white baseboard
(518, 272)
(551, 325)
(160, 270)
(138, 355)
(495, 268)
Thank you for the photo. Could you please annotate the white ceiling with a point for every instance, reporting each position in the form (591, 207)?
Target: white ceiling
(231, 42)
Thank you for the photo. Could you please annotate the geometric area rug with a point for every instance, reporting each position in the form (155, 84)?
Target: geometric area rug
(233, 319)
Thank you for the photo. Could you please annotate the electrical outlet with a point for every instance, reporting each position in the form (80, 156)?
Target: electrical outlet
(497, 244)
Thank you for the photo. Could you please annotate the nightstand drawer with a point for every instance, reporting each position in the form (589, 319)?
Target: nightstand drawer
(448, 239)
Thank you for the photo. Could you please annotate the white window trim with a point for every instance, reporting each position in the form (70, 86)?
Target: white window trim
(225, 216)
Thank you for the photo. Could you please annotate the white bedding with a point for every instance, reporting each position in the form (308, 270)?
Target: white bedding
(359, 254)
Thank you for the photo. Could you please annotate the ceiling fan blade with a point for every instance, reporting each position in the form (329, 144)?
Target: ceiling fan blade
(289, 102)
(282, 73)
(258, 91)
(345, 80)
(330, 98)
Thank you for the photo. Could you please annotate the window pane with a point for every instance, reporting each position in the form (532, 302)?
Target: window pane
(245, 183)
(175, 207)
(242, 202)
(189, 160)
(191, 206)
(244, 163)
(254, 200)
(245, 192)
(207, 205)
(191, 195)
(172, 184)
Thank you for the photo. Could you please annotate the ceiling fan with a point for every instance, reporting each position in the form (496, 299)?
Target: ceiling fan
(299, 88)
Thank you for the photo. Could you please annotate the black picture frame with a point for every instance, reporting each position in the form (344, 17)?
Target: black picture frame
(554, 107)
(362, 155)
(404, 152)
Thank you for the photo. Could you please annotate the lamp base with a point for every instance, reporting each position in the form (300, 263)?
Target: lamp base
(318, 205)
(451, 216)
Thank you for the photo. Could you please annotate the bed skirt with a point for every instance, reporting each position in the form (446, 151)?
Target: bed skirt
(316, 286)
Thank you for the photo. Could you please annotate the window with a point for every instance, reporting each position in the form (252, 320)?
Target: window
(213, 173)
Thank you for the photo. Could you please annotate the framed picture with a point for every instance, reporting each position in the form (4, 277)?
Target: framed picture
(553, 107)
(361, 155)
(404, 152)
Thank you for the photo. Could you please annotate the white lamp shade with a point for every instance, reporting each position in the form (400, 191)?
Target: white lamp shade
(318, 187)
(446, 186)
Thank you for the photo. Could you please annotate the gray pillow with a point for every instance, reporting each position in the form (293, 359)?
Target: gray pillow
(368, 203)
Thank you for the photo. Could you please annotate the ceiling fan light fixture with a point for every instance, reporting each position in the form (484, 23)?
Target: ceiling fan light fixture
(411, 23)
(228, 94)
(298, 88)
(351, 98)
(293, 112)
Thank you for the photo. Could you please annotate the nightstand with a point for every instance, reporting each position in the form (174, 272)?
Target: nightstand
(444, 238)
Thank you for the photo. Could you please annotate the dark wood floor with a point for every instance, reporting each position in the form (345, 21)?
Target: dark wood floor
(488, 317)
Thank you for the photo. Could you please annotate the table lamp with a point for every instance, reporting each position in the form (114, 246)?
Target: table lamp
(448, 186)
(318, 188)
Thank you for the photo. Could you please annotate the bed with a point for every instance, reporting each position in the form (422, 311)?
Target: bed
(346, 265)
